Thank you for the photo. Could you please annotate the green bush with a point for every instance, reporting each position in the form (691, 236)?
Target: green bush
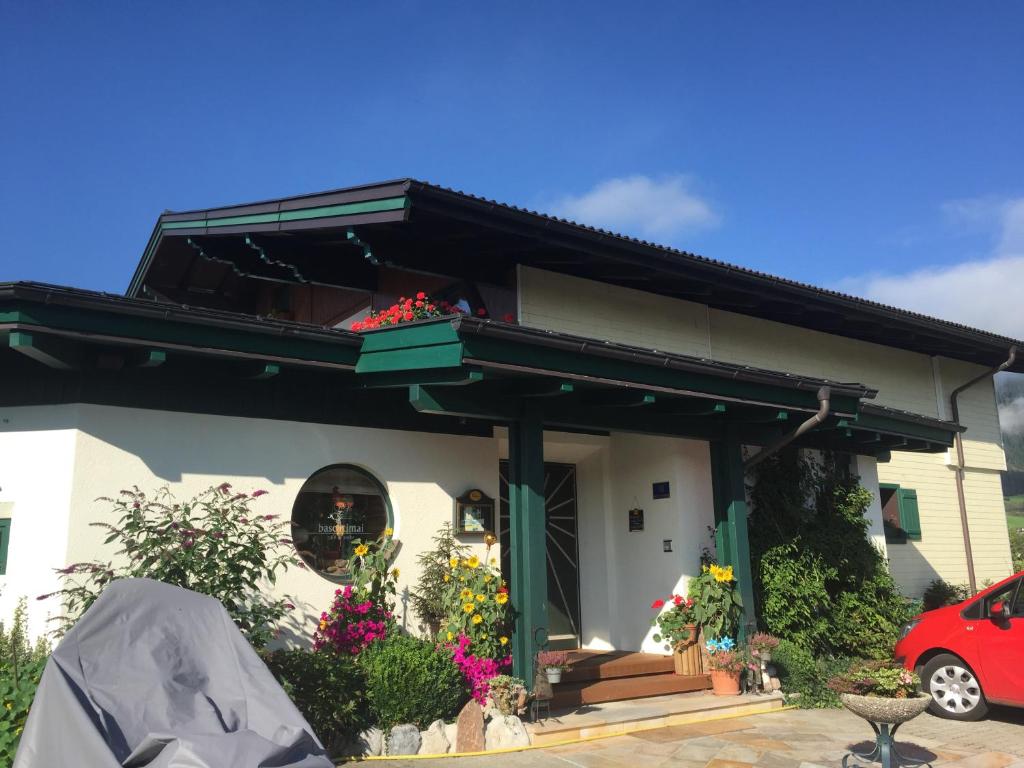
(940, 593)
(411, 681)
(1017, 550)
(214, 543)
(21, 667)
(805, 678)
(328, 689)
(819, 581)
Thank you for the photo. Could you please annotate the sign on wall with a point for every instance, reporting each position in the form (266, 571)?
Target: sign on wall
(660, 490)
(636, 520)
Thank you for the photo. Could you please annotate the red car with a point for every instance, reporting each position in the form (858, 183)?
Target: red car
(972, 654)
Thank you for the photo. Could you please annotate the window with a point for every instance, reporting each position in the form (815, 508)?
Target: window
(5, 538)
(334, 508)
(900, 515)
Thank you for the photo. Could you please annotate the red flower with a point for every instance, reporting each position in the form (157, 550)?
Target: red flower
(408, 315)
(357, 326)
(677, 599)
(431, 307)
(421, 295)
(419, 302)
(657, 605)
(481, 312)
(509, 317)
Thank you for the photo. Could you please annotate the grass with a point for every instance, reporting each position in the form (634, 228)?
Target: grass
(1015, 512)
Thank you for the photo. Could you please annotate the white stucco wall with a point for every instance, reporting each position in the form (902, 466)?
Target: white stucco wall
(59, 460)
(37, 462)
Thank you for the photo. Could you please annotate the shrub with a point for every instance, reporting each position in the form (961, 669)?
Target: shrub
(428, 599)
(940, 593)
(411, 681)
(1017, 550)
(328, 689)
(212, 543)
(876, 678)
(819, 580)
(804, 678)
(21, 667)
(361, 612)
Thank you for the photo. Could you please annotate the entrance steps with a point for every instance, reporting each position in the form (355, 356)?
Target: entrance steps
(597, 677)
(614, 718)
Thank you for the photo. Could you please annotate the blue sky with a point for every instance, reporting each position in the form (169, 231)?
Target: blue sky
(872, 146)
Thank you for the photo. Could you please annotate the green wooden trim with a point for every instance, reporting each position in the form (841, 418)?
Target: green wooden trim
(301, 214)
(731, 532)
(160, 331)
(893, 425)
(450, 377)
(528, 538)
(410, 336)
(52, 352)
(5, 540)
(419, 358)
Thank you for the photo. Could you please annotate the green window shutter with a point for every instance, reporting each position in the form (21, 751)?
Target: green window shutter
(5, 538)
(910, 516)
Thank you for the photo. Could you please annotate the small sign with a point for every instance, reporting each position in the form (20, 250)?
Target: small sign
(636, 520)
(666, 545)
(474, 512)
(661, 490)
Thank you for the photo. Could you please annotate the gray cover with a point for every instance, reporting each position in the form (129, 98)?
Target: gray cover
(154, 675)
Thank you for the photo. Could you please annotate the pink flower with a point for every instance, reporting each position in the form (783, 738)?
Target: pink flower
(257, 494)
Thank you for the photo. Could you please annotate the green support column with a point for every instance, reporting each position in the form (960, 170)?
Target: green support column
(731, 536)
(528, 538)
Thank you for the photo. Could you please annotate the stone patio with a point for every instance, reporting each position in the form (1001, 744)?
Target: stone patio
(787, 739)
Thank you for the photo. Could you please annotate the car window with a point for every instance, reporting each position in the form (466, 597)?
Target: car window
(1004, 595)
(1018, 606)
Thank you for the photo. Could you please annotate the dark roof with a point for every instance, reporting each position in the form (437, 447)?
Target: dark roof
(699, 278)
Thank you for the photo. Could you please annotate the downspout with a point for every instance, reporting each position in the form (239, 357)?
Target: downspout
(958, 440)
(823, 409)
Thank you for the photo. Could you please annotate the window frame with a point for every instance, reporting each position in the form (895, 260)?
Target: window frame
(905, 532)
(388, 509)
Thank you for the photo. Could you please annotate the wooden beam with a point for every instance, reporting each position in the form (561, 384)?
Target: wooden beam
(50, 351)
(148, 358)
(691, 408)
(262, 371)
(618, 398)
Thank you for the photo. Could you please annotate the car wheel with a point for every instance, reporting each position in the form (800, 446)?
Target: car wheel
(954, 688)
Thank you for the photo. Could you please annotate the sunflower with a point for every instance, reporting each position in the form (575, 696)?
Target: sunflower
(477, 618)
(394, 573)
(473, 562)
(503, 640)
(481, 599)
(454, 562)
(468, 608)
(501, 598)
(450, 637)
(447, 577)
(362, 550)
(466, 593)
(389, 531)
(487, 579)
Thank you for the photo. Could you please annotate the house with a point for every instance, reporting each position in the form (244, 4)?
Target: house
(618, 385)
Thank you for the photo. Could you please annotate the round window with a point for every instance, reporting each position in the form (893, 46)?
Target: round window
(335, 508)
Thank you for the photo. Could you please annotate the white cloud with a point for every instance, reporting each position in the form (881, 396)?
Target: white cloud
(641, 206)
(1011, 416)
(983, 293)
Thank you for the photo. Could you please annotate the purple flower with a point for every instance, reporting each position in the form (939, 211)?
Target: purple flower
(257, 494)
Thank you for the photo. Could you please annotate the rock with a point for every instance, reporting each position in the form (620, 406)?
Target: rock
(404, 740)
(451, 731)
(505, 731)
(433, 740)
(470, 736)
(372, 742)
(490, 709)
(776, 684)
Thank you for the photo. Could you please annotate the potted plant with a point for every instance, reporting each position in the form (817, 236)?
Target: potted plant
(679, 631)
(554, 663)
(727, 663)
(881, 692)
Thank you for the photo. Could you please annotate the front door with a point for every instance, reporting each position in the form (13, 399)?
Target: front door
(562, 551)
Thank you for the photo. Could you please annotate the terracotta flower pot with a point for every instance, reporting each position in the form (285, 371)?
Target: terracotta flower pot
(725, 683)
(687, 657)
